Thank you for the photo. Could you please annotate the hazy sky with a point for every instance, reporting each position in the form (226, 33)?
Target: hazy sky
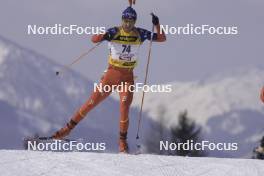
(181, 58)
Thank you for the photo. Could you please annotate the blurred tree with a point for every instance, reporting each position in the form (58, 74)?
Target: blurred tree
(258, 153)
(185, 131)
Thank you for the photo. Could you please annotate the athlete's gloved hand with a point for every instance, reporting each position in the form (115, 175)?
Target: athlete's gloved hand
(131, 2)
(107, 36)
(155, 19)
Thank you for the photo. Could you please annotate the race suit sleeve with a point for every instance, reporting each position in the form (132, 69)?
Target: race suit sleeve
(157, 37)
(109, 35)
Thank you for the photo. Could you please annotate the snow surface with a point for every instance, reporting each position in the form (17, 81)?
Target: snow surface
(32, 163)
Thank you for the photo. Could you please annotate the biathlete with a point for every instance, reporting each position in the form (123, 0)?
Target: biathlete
(123, 42)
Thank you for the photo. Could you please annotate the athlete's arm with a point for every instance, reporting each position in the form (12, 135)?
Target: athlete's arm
(97, 38)
(160, 35)
(109, 35)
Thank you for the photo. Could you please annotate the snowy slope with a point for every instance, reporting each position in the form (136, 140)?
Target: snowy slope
(214, 96)
(25, 163)
(35, 101)
(227, 105)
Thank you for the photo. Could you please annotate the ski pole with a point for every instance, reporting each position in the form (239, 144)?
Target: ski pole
(66, 67)
(145, 81)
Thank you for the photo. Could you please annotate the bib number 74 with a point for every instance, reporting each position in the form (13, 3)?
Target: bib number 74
(126, 48)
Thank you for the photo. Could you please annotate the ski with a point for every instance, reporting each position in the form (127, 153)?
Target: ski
(51, 138)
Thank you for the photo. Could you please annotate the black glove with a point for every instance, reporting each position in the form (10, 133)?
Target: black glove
(107, 36)
(155, 19)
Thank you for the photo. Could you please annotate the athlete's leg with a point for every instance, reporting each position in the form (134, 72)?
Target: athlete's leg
(126, 98)
(96, 97)
(93, 101)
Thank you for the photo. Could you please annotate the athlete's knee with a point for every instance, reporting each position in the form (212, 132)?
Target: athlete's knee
(126, 101)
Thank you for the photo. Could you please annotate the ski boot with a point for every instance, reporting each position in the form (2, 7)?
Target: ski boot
(123, 146)
(65, 131)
